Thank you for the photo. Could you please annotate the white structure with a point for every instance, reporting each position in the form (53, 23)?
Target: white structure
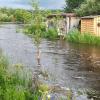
(63, 22)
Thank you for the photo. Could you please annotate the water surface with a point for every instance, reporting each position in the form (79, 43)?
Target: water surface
(74, 66)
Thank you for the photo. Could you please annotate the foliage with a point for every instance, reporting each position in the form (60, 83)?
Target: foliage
(85, 38)
(37, 23)
(89, 7)
(6, 15)
(5, 18)
(23, 16)
(8, 11)
(19, 15)
(37, 29)
(72, 4)
(51, 34)
(30, 29)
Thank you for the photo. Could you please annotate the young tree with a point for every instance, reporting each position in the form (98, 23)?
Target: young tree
(72, 4)
(37, 23)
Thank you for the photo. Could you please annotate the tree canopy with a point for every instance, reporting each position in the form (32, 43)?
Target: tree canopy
(83, 7)
(89, 7)
(72, 4)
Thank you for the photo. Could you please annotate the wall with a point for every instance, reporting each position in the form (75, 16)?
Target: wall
(71, 23)
(74, 22)
(97, 26)
(87, 25)
(65, 24)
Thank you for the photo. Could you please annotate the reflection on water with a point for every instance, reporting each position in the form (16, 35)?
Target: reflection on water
(69, 65)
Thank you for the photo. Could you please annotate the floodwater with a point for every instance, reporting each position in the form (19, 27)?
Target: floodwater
(69, 65)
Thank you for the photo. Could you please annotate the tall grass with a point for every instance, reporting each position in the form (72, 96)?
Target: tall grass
(16, 82)
(50, 34)
(85, 38)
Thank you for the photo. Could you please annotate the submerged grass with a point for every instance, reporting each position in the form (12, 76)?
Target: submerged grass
(16, 82)
(86, 38)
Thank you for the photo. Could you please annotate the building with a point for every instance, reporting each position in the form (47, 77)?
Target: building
(91, 25)
(63, 22)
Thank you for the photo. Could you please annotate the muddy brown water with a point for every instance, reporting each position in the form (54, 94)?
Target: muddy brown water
(69, 65)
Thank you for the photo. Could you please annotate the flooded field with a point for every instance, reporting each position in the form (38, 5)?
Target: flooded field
(70, 66)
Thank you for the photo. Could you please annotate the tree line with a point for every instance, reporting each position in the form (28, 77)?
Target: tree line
(83, 7)
(80, 7)
(15, 15)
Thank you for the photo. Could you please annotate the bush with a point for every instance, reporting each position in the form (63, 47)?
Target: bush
(5, 18)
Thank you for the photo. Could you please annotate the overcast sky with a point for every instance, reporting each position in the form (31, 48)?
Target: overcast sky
(49, 4)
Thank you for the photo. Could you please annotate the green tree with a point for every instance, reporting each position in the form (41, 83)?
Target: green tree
(37, 23)
(22, 15)
(72, 4)
(89, 7)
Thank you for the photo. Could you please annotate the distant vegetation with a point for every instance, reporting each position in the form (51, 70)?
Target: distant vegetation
(15, 15)
(20, 15)
(89, 7)
(5, 15)
(83, 7)
(72, 4)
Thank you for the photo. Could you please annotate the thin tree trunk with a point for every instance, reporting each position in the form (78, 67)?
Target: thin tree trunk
(38, 56)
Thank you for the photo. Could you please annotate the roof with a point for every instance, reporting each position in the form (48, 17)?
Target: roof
(62, 15)
(90, 17)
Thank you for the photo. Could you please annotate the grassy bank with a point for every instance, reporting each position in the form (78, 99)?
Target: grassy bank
(76, 37)
(16, 82)
(50, 34)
